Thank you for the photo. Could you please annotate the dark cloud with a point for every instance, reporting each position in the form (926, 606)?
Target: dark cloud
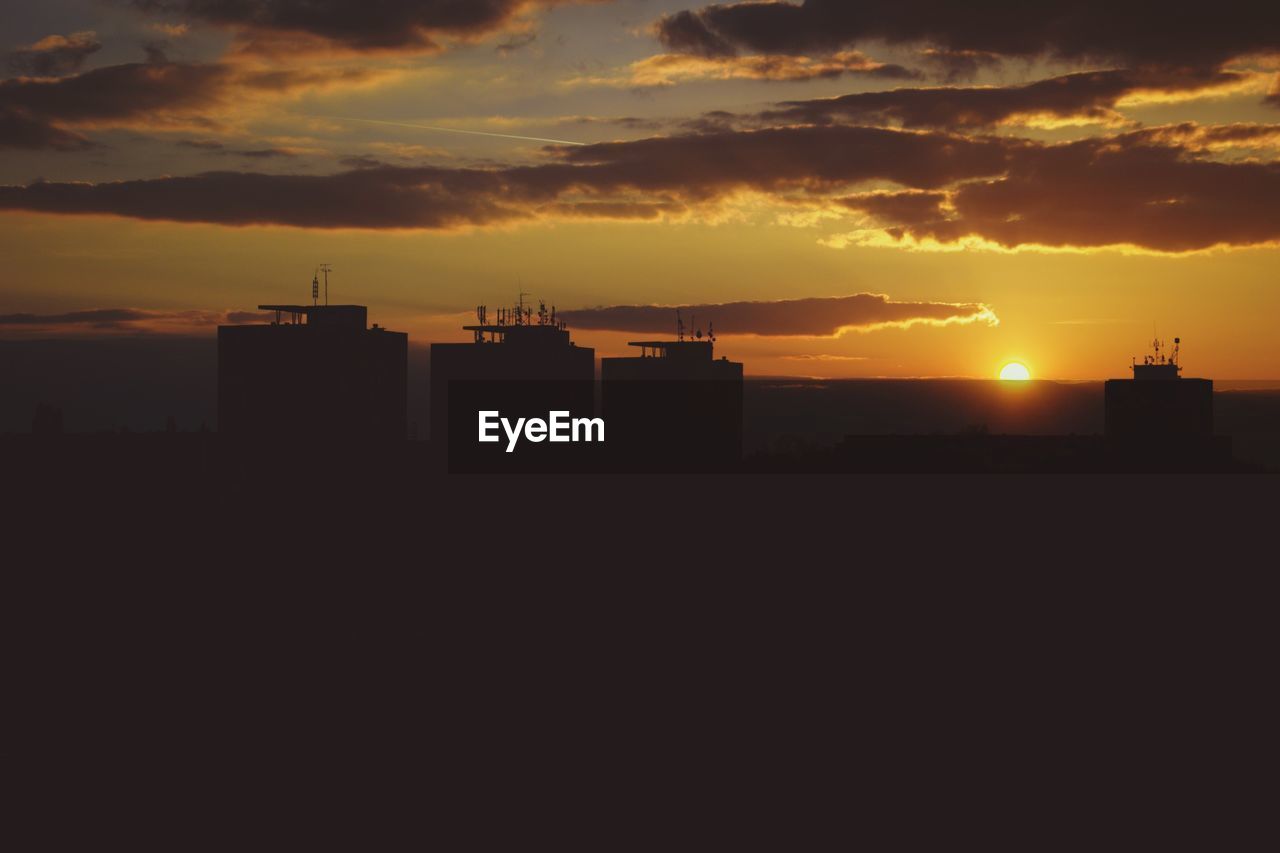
(20, 130)
(1156, 188)
(96, 316)
(143, 93)
(1126, 32)
(118, 91)
(812, 158)
(264, 153)
(157, 51)
(516, 42)
(816, 317)
(360, 161)
(401, 25)
(1087, 95)
(384, 197)
(961, 64)
(127, 319)
(54, 56)
(200, 144)
(1114, 191)
(682, 170)
(898, 207)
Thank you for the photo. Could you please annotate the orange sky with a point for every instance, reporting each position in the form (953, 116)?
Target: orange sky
(1047, 202)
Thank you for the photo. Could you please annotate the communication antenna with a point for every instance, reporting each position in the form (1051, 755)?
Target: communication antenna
(315, 288)
(679, 326)
(1177, 344)
(711, 331)
(324, 268)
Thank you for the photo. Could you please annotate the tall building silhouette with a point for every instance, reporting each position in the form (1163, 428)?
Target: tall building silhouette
(519, 363)
(1158, 404)
(320, 374)
(675, 407)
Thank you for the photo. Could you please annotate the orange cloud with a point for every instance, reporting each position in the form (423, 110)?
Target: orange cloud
(811, 317)
(668, 69)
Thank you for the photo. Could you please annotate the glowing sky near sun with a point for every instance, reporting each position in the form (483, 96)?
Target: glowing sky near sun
(902, 192)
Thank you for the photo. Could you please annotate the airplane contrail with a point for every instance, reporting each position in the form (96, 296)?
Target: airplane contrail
(454, 130)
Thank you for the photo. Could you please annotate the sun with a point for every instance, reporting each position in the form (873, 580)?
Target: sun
(1015, 370)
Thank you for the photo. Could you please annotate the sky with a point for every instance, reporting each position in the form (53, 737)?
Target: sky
(844, 190)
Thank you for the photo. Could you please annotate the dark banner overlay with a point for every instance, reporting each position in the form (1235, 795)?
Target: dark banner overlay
(634, 426)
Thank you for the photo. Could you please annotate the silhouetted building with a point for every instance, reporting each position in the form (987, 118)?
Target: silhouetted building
(328, 378)
(675, 407)
(1157, 404)
(522, 365)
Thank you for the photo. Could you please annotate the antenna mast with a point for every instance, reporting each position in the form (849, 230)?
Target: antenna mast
(325, 269)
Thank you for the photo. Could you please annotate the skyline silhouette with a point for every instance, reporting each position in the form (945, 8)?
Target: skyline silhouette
(897, 193)
(322, 376)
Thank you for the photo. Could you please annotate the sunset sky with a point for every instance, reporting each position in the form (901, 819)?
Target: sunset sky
(844, 189)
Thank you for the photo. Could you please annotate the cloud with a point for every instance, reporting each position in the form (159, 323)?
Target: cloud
(706, 165)
(55, 55)
(960, 64)
(1158, 189)
(290, 26)
(1115, 191)
(46, 112)
(898, 207)
(132, 320)
(1084, 97)
(264, 153)
(200, 144)
(516, 42)
(1208, 138)
(360, 161)
(1089, 30)
(18, 130)
(811, 317)
(668, 69)
(666, 171)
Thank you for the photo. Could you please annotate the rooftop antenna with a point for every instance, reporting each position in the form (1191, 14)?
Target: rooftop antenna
(325, 269)
(315, 288)
(679, 326)
(520, 310)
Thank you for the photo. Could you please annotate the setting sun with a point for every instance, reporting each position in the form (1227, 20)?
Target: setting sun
(1015, 370)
